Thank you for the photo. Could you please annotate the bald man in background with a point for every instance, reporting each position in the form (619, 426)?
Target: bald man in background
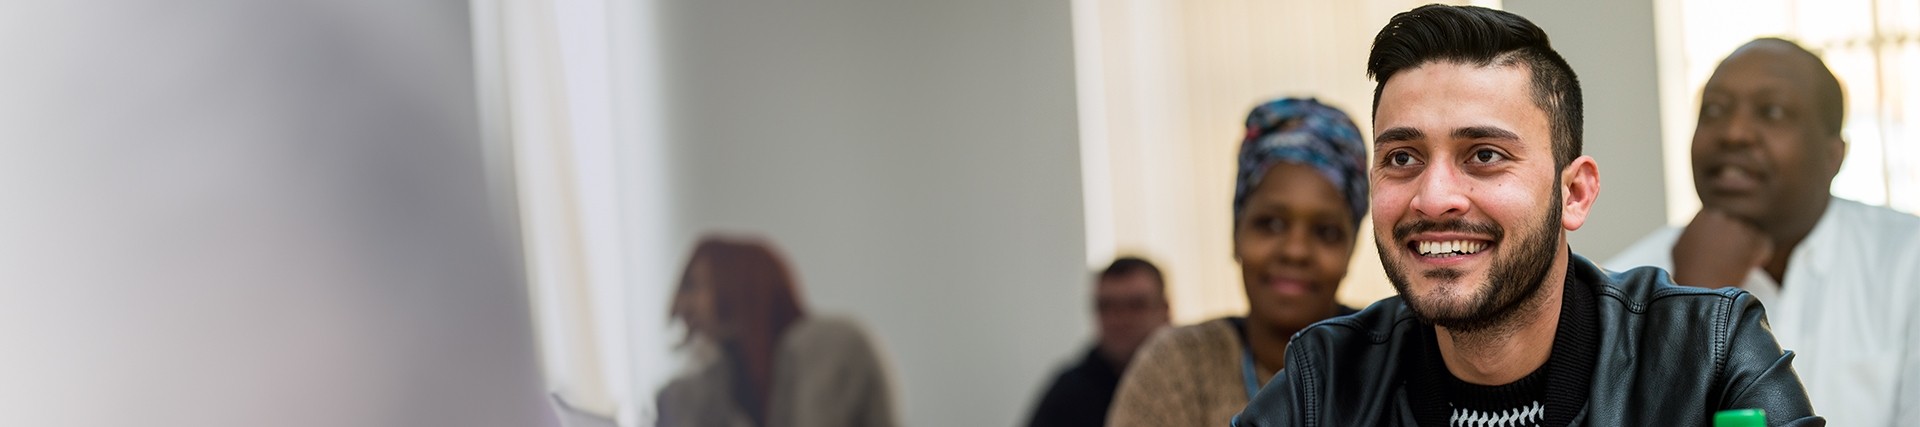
(1840, 279)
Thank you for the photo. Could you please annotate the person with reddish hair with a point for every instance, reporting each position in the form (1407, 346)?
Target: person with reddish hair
(776, 364)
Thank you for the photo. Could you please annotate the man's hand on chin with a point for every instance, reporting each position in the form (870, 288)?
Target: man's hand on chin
(1717, 250)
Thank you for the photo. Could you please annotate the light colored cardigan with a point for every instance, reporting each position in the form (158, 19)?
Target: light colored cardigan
(1185, 376)
(827, 373)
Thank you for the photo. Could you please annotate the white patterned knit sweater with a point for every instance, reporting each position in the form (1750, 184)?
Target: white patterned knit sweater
(1529, 415)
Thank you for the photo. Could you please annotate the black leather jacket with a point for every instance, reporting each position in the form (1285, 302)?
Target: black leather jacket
(1669, 356)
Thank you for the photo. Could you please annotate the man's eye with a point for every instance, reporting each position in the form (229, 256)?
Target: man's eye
(1773, 112)
(1399, 158)
(1712, 111)
(1487, 156)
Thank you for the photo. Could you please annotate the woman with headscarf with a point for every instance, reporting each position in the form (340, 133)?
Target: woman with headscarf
(777, 365)
(1298, 200)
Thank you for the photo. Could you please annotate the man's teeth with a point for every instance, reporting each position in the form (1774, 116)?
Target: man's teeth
(1450, 248)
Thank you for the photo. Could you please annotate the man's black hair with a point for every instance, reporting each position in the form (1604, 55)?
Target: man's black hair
(1483, 37)
(1126, 266)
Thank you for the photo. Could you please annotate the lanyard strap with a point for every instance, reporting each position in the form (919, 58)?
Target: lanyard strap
(1246, 372)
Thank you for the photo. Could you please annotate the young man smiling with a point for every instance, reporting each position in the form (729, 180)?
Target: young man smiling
(1477, 177)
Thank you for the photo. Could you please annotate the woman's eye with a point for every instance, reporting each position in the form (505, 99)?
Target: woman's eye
(1327, 233)
(1487, 156)
(1265, 225)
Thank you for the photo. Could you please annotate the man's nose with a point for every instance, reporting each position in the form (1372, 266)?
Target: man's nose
(1739, 130)
(1442, 192)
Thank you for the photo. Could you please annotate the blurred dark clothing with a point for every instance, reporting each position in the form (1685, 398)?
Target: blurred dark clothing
(1080, 395)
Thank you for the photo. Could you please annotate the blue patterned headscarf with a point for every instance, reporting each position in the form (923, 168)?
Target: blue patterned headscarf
(1306, 132)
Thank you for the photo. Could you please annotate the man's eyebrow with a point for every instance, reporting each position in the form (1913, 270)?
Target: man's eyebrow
(1484, 132)
(1399, 134)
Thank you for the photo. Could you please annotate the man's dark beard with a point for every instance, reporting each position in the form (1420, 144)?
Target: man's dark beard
(1511, 286)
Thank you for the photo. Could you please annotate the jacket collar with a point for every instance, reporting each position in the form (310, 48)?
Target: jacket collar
(1569, 368)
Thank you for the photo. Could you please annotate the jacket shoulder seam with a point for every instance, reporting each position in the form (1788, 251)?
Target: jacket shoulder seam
(1638, 306)
(1722, 333)
(1374, 335)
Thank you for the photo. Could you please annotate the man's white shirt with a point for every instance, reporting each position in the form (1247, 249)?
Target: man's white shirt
(1847, 309)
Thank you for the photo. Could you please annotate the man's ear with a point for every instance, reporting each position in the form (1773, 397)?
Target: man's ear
(1836, 153)
(1579, 187)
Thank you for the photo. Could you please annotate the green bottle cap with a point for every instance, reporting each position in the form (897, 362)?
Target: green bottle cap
(1740, 418)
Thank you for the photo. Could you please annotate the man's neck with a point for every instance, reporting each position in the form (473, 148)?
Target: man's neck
(1783, 246)
(1502, 354)
(1788, 237)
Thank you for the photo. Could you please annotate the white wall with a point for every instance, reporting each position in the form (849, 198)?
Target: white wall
(238, 213)
(1611, 47)
(917, 161)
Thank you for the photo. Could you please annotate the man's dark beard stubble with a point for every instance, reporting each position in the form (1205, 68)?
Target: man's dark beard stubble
(1512, 286)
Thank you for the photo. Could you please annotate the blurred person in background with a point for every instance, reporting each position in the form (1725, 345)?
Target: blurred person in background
(1298, 199)
(1840, 279)
(1130, 300)
(777, 365)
